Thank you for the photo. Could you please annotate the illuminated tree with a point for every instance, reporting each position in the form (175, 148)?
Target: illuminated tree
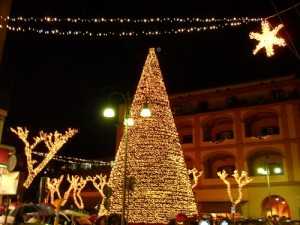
(241, 181)
(100, 182)
(196, 175)
(154, 157)
(77, 183)
(53, 186)
(53, 141)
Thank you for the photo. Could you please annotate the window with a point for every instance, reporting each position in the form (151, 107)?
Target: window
(263, 164)
(226, 134)
(262, 124)
(219, 162)
(187, 139)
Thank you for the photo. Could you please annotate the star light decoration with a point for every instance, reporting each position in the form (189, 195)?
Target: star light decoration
(154, 157)
(241, 181)
(267, 39)
(53, 141)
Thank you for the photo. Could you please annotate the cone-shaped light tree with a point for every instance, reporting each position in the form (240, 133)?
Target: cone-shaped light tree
(154, 157)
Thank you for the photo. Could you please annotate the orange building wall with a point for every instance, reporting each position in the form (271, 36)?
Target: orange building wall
(286, 143)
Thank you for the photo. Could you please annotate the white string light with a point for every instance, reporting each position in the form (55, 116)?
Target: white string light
(74, 160)
(209, 25)
(121, 20)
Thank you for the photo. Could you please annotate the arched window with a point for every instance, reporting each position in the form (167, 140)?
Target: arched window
(185, 131)
(218, 129)
(275, 205)
(262, 124)
(218, 162)
(266, 163)
(189, 162)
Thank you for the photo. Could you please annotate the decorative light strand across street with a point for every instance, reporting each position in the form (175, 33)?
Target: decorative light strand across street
(121, 20)
(75, 160)
(150, 32)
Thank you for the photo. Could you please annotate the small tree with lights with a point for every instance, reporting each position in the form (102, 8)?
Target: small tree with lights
(100, 182)
(241, 181)
(53, 186)
(53, 142)
(196, 175)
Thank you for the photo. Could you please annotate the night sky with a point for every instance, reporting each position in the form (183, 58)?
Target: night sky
(55, 83)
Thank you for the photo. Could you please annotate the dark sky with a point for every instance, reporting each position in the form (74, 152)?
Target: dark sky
(55, 83)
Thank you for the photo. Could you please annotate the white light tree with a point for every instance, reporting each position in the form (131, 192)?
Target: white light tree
(241, 181)
(196, 175)
(53, 186)
(77, 184)
(100, 182)
(53, 142)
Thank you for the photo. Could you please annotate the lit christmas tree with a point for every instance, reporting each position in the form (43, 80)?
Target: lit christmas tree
(154, 157)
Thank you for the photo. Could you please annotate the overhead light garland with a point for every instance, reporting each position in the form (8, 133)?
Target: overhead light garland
(122, 20)
(75, 160)
(186, 25)
(241, 181)
(267, 38)
(53, 142)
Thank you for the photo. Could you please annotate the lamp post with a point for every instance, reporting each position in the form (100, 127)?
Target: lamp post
(127, 121)
(266, 171)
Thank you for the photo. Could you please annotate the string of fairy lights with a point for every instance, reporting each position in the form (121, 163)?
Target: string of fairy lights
(102, 20)
(180, 25)
(75, 160)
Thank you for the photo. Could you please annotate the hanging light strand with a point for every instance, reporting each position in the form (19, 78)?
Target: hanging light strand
(115, 34)
(122, 20)
(74, 160)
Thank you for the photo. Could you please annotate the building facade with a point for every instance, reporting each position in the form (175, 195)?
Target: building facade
(253, 127)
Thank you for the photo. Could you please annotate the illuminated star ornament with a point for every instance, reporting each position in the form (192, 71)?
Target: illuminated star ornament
(267, 39)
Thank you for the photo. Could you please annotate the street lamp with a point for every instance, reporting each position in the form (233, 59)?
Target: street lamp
(266, 171)
(127, 121)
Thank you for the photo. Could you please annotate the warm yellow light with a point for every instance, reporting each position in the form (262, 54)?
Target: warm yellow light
(145, 112)
(53, 142)
(267, 39)
(109, 113)
(196, 175)
(241, 180)
(128, 121)
(261, 171)
(154, 158)
(277, 170)
(99, 182)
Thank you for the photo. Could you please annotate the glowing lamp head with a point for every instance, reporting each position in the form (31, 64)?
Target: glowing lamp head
(277, 170)
(145, 112)
(262, 171)
(204, 222)
(109, 113)
(224, 222)
(129, 122)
